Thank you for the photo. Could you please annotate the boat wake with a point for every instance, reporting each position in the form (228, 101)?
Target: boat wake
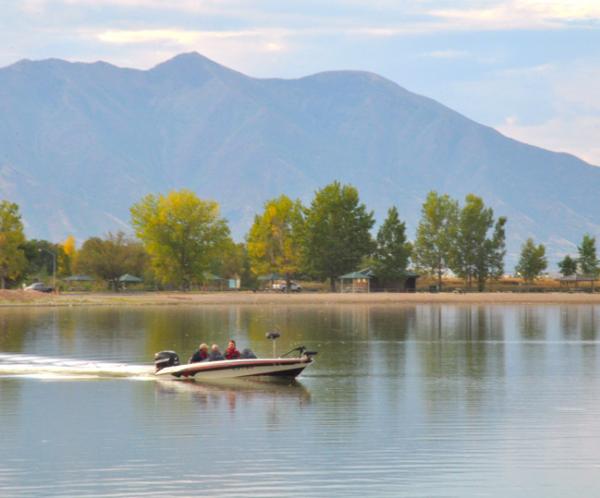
(20, 365)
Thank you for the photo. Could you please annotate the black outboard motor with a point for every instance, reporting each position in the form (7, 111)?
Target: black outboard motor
(165, 359)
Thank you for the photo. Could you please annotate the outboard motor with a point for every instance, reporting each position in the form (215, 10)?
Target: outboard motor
(165, 359)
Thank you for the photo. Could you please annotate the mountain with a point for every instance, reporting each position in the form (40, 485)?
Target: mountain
(79, 143)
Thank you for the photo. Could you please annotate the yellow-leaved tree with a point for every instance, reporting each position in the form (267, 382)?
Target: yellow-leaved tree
(275, 238)
(181, 233)
(67, 263)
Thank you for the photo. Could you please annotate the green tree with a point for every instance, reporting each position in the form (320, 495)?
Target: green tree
(532, 262)
(40, 259)
(393, 250)
(567, 266)
(275, 238)
(111, 257)
(12, 258)
(587, 261)
(337, 232)
(181, 233)
(476, 255)
(435, 235)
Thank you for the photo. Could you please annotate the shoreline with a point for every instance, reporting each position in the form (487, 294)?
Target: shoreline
(27, 299)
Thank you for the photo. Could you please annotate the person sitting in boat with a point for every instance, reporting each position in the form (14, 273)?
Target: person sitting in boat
(201, 354)
(215, 353)
(231, 353)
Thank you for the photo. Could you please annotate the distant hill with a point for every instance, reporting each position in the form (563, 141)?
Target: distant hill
(79, 143)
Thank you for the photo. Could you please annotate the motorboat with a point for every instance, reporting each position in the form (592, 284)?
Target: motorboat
(168, 365)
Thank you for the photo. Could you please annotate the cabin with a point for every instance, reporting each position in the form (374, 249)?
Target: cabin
(367, 281)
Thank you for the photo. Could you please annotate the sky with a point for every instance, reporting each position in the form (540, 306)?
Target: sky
(529, 68)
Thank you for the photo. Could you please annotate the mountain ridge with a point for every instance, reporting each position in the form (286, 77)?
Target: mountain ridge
(83, 141)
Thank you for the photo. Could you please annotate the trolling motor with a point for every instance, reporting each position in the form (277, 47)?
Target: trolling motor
(165, 359)
(273, 336)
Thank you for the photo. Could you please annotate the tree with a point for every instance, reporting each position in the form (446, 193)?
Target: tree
(111, 257)
(275, 238)
(393, 250)
(336, 232)
(12, 257)
(69, 249)
(532, 262)
(567, 266)
(181, 233)
(435, 235)
(475, 256)
(40, 256)
(587, 261)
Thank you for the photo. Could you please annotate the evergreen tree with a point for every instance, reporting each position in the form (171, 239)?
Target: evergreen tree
(393, 250)
(532, 262)
(435, 235)
(336, 235)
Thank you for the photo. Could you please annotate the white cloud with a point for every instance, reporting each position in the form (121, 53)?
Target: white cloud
(521, 14)
(446, 54)
(179, 36)
(575, 135)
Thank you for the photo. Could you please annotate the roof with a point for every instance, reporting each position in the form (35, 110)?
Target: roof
(577, 278)
(78, 278)
(366, 273)
(212, 276)
(131, 279)
(271, 276)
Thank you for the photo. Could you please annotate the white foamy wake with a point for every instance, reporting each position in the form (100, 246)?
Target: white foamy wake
(61, 368)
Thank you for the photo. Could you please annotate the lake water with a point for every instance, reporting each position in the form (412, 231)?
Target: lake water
(415, 401)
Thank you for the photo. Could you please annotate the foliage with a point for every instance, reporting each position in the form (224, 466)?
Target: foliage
(567, 266)
(40, 256)
(435, 234)
(275, 238)
(336, 235)
(70, 251)
(588, 262)
(532, 262)
(475, 256)
(230, 261)
(181, 233)
(111, 257)
(12, 257)
(393, 250)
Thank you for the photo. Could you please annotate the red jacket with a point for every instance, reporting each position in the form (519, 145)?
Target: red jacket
(232, 354)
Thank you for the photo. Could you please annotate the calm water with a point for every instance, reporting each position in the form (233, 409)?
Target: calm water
(436, 401)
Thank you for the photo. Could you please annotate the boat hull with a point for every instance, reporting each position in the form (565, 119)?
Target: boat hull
(231, 369)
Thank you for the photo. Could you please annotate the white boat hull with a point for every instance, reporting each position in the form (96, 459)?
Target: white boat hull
(230, 369)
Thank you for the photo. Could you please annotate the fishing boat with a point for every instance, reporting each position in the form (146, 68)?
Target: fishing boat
(168, 365)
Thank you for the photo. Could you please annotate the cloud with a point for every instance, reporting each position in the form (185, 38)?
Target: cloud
(446, 54)
(521, 14)
(179, 36)
(577, 135)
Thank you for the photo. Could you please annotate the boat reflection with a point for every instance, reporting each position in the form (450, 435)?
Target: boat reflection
(234, 391)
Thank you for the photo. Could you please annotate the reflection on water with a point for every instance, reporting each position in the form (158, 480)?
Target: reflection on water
(402, 401)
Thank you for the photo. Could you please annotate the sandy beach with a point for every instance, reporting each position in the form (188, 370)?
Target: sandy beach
(20, 298)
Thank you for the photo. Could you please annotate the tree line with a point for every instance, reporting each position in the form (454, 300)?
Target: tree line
(180, 240)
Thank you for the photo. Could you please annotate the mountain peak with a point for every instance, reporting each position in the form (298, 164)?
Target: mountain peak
(191, 66)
